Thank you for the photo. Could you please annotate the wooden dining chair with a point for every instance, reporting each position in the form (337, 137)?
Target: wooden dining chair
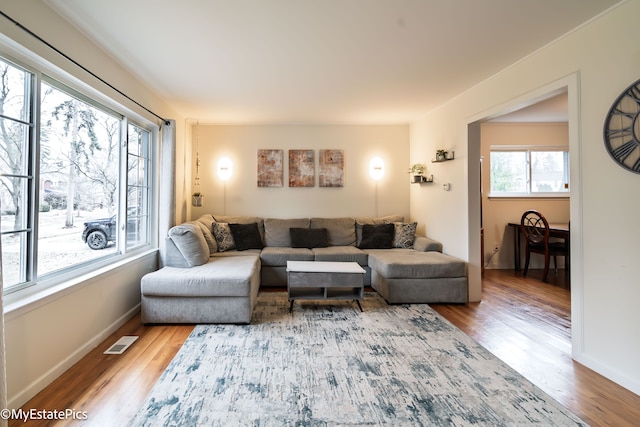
(535, 228)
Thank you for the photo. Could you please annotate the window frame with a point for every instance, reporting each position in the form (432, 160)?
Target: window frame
(528, 149)
(30, 285)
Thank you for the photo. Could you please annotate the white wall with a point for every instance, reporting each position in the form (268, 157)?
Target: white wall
(498, 212)
(360, 144)
(598, 62)
(46, 338)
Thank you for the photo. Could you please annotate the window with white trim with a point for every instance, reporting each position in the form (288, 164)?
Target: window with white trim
(75, 184)
(529, 171)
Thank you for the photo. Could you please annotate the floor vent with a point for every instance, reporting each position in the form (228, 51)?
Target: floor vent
(121, 345)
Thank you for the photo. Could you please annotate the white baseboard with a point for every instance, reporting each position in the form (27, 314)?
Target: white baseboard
(606, 371)
(47, 378)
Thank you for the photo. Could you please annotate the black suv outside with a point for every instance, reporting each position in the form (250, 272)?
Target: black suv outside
(99, 232)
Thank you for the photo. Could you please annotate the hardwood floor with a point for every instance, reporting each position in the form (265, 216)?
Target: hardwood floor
(523, 321)
(527, 324)
(111, 388)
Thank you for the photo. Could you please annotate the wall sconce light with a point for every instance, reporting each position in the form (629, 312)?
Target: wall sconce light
(376, 168)
(225, 168)
(376, 171)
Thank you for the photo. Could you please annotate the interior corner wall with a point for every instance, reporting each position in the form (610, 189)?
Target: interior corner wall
(603, 59)
(360, 196)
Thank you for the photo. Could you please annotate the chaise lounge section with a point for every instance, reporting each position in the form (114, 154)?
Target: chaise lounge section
(197, 288)
(405, 276)
(215, 265)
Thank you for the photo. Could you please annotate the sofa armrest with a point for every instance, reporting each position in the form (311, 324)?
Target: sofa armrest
(425, 244)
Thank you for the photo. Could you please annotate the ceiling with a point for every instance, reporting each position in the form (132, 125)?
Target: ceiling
(319, 61)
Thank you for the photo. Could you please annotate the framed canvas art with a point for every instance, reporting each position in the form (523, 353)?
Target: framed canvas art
(331, 163)
(270, 168)
(302, 168)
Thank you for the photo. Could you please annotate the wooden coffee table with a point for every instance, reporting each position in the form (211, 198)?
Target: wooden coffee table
(320, 280)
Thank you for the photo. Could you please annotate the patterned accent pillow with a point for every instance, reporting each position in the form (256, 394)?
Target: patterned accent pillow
(224, 238)
(405, 234)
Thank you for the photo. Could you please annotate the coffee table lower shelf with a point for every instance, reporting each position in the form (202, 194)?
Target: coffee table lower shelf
(330, 293)
(315, 280)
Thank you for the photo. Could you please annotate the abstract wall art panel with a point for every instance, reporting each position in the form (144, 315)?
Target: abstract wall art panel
(331, 164)
(270, 168)
(302, 168)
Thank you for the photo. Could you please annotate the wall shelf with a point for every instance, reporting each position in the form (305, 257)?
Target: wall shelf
(449, 156)
(425, 180)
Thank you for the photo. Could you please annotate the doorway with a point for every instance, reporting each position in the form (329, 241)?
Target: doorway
(526, 166)
(570, 87)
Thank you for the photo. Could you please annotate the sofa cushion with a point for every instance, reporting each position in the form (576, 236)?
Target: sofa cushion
(246, 236)
(360, 222)
(224, 238)
(276, 231)
(309, 237)
(232, 219)
(341, 254)
(190, 242)
(223, 276)
(234, 252)
(404, 234)
(378, 236)
(206, 225)
(275, 256)
(342, 231)
(409, 264)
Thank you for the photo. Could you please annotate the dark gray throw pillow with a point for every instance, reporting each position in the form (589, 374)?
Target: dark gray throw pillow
(378, 236)
(246, 236)
(309, 238)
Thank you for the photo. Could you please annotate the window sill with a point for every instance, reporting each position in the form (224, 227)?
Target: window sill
(28, 299)
(530, 196)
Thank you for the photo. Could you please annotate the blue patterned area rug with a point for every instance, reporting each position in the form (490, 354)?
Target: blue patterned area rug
(328, 364)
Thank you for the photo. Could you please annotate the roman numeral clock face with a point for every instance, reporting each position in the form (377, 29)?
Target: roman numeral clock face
(622, 129)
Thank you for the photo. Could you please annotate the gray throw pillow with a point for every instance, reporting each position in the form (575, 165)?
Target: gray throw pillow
(190, 242)
(206, 225)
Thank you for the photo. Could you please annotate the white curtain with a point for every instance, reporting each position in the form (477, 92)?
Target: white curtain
(167, 172)
(3, 368)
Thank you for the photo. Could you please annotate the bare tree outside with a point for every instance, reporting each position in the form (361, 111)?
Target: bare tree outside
(12, 145)
(77, 180)
(80, 169)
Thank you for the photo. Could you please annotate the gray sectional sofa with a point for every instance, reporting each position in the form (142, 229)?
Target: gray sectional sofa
(215, 265)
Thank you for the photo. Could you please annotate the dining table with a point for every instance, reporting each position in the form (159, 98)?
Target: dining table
(559, 230)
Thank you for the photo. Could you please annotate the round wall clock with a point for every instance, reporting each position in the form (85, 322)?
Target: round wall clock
(622, 129)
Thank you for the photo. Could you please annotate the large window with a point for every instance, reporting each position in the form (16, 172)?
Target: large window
(529, 171)
(75, 180)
